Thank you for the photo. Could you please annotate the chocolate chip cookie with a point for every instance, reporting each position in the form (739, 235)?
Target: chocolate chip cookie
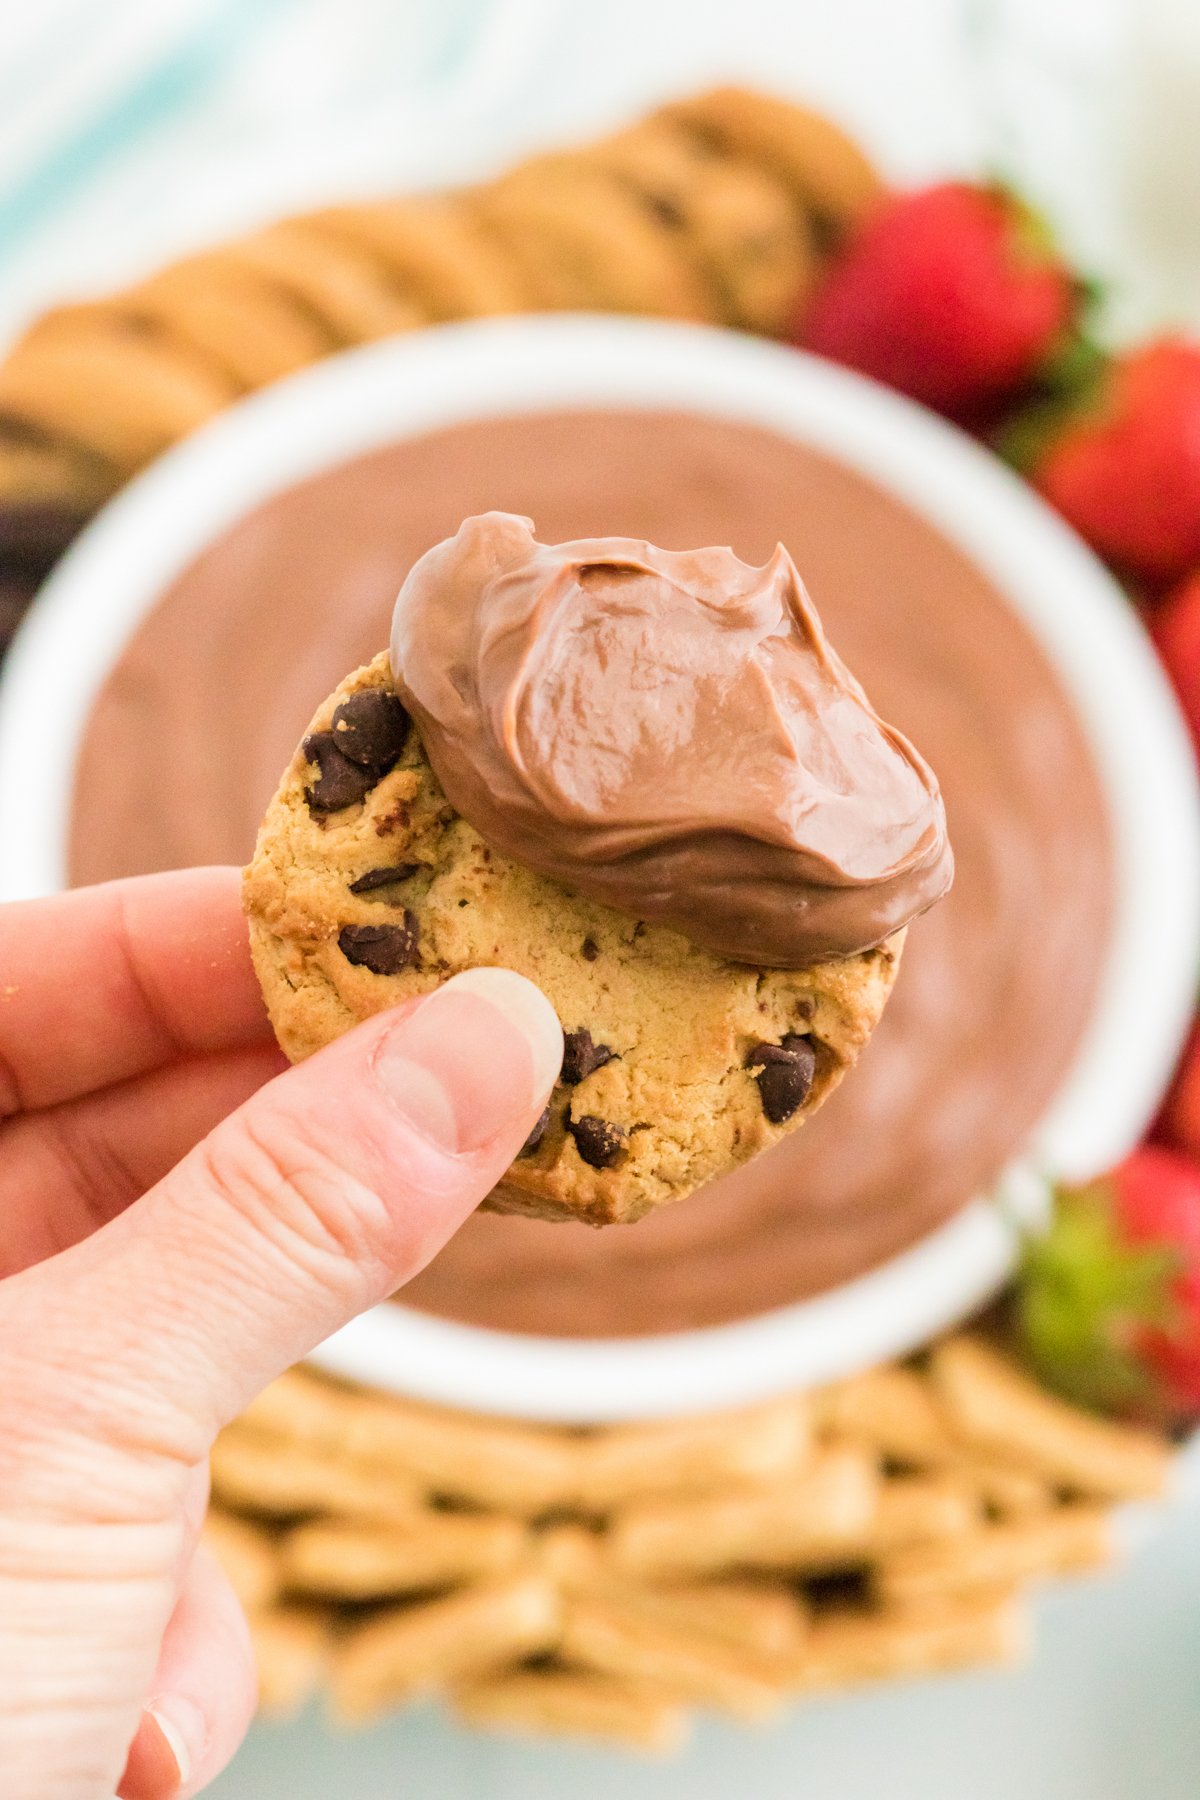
(367, 888)
(737, 220)
(580, 240)
(828, 172)
(435, 250)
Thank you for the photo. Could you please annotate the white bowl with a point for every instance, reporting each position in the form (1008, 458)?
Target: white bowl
(112, 577)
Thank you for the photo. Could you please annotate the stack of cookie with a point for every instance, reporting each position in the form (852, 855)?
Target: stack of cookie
(609, 1583)
(719, 208)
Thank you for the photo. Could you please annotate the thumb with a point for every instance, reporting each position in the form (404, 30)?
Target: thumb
(330, 1187)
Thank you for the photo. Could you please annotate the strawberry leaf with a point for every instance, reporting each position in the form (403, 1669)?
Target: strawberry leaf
(1072, 384)
(1075, 372)
(1085, 1300)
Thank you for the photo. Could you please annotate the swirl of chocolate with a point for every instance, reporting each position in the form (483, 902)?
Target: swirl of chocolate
(671, 734)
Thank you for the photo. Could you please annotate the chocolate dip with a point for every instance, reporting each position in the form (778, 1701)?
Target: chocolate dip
(669, 733)
(188, 737)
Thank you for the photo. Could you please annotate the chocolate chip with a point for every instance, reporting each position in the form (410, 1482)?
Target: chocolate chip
(589, 949)
(370, 728)
(536, 1135)
(339, 782)
(582, 1057)
(600, 1143)
(378, 878)
(384, 949)
(784, 1073)
(783, 1088)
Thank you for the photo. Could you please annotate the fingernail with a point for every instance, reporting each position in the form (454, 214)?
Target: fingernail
(473, 1060)
(170, 1742)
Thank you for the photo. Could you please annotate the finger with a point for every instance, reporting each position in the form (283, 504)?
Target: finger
(107, 982)
(68, 1169)
(203, 1694)
(318, 1197)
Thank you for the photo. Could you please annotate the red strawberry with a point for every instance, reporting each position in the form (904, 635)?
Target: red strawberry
(1108, 1301)
(1125, 469)
(951, 294)
(1176, 631)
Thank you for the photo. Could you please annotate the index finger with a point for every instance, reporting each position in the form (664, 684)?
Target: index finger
(108, 982)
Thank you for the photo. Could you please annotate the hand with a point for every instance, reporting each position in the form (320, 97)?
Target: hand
(161, 1261)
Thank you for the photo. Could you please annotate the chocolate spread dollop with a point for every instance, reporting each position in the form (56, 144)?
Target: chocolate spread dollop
(670, 733)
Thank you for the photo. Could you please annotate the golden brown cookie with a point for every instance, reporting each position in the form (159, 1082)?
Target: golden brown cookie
(246, 322)
(36, 471)
(108, 387)
(434, 249)
(367, 888)
(581, 240)
(824, 167)
(347, 290)
(556, 1702)
(737, 220)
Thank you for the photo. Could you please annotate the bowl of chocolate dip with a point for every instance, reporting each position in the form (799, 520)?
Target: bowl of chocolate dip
(189, 634)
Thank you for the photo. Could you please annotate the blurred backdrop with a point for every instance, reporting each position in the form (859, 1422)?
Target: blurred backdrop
(133, 131)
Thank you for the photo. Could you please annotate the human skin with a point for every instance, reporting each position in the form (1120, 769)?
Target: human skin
(183, 1217)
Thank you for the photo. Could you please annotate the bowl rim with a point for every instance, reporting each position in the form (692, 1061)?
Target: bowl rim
(362, 399)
